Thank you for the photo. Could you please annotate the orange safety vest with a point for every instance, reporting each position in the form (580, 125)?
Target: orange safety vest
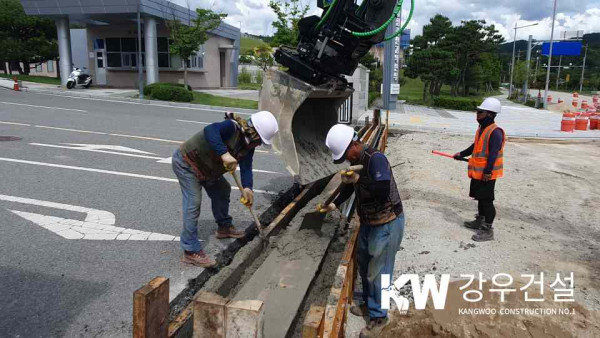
(479, 159)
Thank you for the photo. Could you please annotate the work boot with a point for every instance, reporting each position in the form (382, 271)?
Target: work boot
(229, 232)
(486, 233)
(374, 328)
(198, 259)
(476, 224)
(359, 310)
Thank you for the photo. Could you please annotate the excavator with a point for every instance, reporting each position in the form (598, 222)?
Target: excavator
(306, 95)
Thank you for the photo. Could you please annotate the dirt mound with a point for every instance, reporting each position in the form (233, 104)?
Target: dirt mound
(490, 317)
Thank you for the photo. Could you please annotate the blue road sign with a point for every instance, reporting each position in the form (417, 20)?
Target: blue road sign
(562, 48)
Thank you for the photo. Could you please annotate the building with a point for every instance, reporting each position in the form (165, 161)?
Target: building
(108, 44)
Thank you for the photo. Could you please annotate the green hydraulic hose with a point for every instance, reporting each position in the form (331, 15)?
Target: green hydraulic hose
(326, 15)
(410, 14)
(382, 27)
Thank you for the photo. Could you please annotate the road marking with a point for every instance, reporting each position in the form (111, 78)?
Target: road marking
(110, 172)
(15, 123)
(99, 151)
(195, 122)
(148, 104)
(147, 138)
(110, 147)
(75, 130)
(98, 224)
(46, 107)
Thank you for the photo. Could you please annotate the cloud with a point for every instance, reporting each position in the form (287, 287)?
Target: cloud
(255, 16)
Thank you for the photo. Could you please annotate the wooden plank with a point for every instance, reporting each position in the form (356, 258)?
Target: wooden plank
(151, 309)
(209, 315)
(313, 322)
(244, 319)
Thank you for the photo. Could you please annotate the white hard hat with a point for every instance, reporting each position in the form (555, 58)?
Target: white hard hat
(265, 124)
(338, 139)
(491, 104)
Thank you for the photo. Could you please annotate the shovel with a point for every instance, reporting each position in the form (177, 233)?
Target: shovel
(314, 220)
(256, 220)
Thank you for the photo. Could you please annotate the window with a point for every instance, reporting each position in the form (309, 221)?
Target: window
(38, 68)
(122, 53)
(196, 61)
(50, 66)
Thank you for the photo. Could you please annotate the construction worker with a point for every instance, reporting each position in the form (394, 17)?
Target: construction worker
(485, 166)
(381, 218)
(201, 161)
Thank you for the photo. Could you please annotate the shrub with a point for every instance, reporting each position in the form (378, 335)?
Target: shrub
(244, 76)
(172, 93)
(372, 97)
(458, 103)
(259, 77)
(150, 88)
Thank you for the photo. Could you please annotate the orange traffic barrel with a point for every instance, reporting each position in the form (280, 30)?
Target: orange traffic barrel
(560, 100)
(568, 122)
(584, 104)
(581, 122)
(595, 100)
(549, 99)
(576, 95)
(594, 121)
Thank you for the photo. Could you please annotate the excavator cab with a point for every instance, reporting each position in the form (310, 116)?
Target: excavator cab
(305, 98)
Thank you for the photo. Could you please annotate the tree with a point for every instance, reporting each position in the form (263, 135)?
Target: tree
(25, 39)
(186, 39)
(434, 66)
(286, 26)
(263, 58)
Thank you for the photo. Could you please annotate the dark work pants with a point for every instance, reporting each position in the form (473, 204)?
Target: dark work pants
(486, 209)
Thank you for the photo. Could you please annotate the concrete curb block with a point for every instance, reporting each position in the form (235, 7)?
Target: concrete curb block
(142, 101)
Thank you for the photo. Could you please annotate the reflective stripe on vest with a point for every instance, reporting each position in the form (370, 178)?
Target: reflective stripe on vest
(479, 159)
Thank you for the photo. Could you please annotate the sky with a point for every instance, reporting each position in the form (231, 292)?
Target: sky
(255, 16)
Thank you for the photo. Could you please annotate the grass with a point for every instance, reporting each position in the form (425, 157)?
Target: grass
(213, 100)
(249, 86)
(412, 92)
(33, 78)
(247, 44)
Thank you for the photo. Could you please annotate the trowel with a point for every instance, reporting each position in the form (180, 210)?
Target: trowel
(314, 220)
(256, 220)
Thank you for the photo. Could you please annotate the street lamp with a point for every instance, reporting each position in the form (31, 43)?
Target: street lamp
(512, 67)
(549, 57)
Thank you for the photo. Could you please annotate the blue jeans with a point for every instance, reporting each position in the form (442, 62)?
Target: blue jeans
(191, 188)
(376, 254)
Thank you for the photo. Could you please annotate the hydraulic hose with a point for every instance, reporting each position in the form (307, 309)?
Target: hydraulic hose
(382, 27)
(410, 14)
(320, 23)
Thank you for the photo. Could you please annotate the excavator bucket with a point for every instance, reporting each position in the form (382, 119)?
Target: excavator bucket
(304, 113)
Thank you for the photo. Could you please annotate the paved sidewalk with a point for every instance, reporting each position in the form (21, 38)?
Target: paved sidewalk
(233, 93)
(517, 120)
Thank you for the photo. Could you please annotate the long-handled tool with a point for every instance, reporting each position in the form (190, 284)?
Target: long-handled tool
(256, 220)
(449, 155)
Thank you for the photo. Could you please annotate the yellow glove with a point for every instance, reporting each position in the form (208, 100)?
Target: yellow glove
(247, 197)
(229, 162)
(331, 207)
(349, 177)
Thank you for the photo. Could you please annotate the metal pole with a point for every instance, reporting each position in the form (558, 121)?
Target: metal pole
(558, 74)
(512, 64)
(583, 70)
(549, 57)
(139, 53)
(389, 100)
(526, 82)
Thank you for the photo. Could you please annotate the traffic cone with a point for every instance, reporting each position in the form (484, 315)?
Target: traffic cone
(16, 85)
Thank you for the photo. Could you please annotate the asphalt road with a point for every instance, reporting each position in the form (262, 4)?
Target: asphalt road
(83, 158)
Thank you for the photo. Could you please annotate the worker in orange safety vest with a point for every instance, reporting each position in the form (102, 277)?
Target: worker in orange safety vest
(486, 165)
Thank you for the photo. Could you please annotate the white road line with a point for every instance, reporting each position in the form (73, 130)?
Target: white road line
(102, 171)
(147, 138)
(46, 107)
(195, 122)
(148, 104)
(16, 124)
(75, 130)
(97, 151)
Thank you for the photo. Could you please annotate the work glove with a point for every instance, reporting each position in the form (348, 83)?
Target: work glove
(486, 177)
(349, 177)
(247, 197)
(457, 156)
(229, 162)
(323, 210)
